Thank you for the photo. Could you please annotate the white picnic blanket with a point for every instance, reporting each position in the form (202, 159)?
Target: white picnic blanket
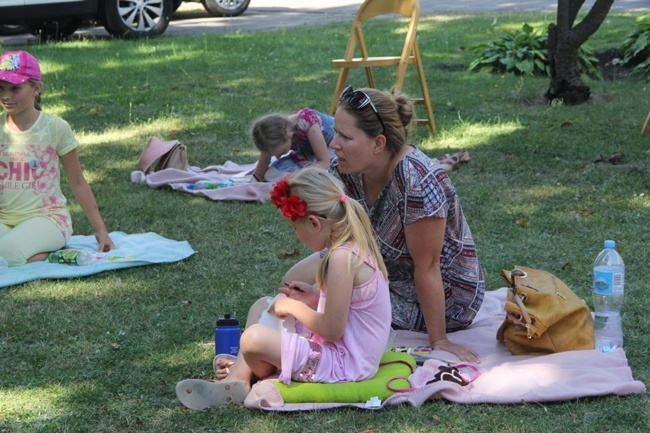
(130, 250)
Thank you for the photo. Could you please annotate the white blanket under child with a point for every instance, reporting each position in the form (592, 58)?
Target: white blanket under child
(138, 249)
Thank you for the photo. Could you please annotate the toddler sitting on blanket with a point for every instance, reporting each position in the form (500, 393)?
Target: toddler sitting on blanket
(353, 311)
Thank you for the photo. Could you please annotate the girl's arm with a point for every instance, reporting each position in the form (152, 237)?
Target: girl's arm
(319, 146)
(262, 165)
(86, 199)
(424, 239)
(331, 323)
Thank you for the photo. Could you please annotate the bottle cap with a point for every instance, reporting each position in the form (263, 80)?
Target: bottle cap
(610, 244)
(226, 320)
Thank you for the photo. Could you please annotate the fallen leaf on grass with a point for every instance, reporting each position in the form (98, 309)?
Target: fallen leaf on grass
(290, 254)
(616, 158)
(206, 345)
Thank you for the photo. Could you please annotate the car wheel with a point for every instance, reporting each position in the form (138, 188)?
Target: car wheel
(54, 30)
(225, 8)
(177, 4)
(11, 29)
(137, 18)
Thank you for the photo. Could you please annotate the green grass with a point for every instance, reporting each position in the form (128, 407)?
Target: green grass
(104, 353)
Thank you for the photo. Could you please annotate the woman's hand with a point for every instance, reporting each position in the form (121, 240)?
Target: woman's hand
(465, 354)
(301, 291)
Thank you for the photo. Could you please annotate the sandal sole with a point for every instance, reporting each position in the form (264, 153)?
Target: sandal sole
(199, 394)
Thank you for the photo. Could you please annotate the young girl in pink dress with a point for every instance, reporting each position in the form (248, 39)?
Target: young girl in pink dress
(343, 339)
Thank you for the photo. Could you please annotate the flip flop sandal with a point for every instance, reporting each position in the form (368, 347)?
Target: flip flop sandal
(202, 394)
(230, 360)
(463, 156)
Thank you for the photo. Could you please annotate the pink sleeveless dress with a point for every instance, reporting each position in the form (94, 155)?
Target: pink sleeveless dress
(356, 355)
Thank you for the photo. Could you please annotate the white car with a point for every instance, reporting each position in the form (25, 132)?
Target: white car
(57, 19)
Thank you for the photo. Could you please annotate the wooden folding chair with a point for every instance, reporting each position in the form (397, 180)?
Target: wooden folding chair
(410, 53)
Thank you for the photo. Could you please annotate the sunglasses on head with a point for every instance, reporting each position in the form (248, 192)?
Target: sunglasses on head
(358, 100)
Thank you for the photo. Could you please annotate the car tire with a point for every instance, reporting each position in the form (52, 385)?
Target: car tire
(54, 30)
(128, 19)
(225, 8)
(177, 4)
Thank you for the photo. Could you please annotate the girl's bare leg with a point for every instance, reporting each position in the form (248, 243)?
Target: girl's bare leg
(259, 354)
(262, 347)
(223, 367)
(304, 270)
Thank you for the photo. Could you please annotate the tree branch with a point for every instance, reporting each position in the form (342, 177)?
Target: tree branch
(588, 26)
(563, 15)
(574, 8)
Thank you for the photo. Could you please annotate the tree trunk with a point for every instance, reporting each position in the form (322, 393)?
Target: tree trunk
(564, 41)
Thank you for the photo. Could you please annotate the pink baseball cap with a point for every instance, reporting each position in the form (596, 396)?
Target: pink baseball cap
(16, 67)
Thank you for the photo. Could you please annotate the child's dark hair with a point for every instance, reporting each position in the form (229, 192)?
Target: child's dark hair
(270, 131)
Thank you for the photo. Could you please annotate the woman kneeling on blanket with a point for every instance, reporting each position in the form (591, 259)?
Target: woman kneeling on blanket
(353, 311)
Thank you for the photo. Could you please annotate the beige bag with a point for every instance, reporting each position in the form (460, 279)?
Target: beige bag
(543, 315)
(170, 154)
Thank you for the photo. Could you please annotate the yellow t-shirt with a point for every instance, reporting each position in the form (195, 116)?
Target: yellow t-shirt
(30, 171)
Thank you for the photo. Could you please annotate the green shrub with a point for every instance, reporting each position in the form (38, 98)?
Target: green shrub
(636, 47)
(525, 52)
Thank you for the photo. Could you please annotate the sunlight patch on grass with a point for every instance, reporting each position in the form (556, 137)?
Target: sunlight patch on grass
(426, 21)
(160, 126)
(641, 200)
(464, 134)
(30, 403)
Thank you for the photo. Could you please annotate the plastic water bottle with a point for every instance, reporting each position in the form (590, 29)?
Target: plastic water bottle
(608, 293)
(210, 184)
(3, 264)
(226, 336)
(72, 257)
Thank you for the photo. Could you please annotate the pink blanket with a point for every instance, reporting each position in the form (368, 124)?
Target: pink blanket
(504, 378)
(242, 190)
(180, 179)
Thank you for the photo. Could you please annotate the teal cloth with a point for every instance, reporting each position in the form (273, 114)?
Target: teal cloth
(145, 248)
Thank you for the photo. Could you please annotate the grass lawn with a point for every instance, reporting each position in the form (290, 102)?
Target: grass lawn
(104, 353)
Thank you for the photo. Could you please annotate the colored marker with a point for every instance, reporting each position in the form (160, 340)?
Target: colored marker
(286, 283)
